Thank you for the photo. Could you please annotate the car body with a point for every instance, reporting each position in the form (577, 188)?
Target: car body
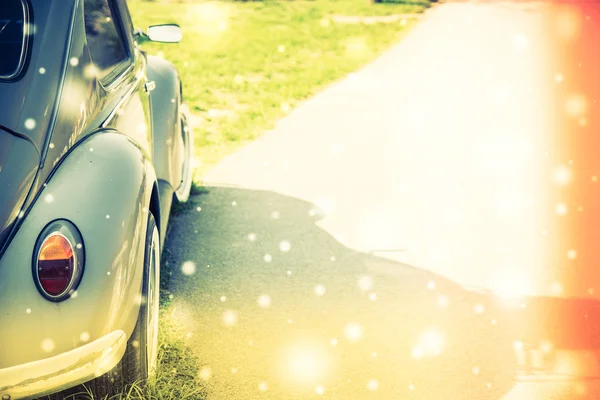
(94, 146)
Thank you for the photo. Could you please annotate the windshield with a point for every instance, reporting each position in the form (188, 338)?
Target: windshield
(13, 37)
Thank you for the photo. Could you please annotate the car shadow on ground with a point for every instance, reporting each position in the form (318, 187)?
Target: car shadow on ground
(276, 308)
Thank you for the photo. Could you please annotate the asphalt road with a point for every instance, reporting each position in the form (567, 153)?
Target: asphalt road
(334, 317)
(325, 257)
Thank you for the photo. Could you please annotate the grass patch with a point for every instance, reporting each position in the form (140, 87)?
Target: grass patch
(177, 373)
(245, 65)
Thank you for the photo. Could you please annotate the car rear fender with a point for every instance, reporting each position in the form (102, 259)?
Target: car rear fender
(165, 99)
(103, 186)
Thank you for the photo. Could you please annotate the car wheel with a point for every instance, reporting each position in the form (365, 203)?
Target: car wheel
(183, 192)
(139, 361)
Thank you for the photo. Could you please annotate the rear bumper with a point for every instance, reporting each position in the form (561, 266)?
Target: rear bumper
(65, 370)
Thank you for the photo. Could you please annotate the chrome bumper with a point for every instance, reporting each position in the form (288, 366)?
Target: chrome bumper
(65, 370)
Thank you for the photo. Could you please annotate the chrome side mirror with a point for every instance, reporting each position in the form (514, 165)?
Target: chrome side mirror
(167, 33)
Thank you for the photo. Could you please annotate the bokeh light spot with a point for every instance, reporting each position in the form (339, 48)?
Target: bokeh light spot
(188, 268)
(353, 332)
(230, 318)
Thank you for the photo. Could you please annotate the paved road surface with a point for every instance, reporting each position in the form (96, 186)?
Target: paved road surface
(451, 153)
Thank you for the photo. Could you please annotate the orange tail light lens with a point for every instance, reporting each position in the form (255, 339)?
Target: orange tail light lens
(58, 260)
(55, 264)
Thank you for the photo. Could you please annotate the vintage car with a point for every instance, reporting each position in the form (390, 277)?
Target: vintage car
(94, 148)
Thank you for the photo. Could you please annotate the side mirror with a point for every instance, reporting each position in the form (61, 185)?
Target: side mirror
(167, 33)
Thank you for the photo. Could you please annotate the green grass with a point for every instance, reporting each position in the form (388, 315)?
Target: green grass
(246, 64)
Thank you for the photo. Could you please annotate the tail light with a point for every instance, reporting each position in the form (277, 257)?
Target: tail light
(58, 260)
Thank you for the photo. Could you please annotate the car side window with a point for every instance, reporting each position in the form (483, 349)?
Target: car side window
(107, 47)
(13, 37)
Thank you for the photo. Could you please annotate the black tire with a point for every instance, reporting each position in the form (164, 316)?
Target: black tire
(135, 366)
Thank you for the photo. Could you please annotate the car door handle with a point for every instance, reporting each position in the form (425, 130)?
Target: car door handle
(149, 86)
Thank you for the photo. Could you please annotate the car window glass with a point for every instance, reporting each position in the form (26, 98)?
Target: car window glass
(106, 45)
(12, 37)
